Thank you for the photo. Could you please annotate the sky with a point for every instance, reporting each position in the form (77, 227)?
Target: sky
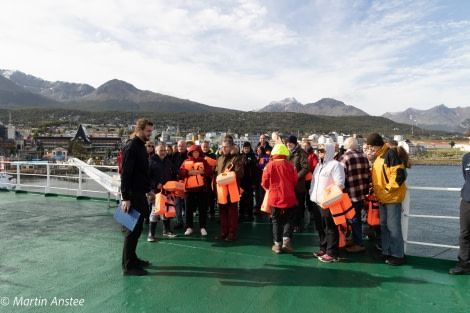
(379, 56)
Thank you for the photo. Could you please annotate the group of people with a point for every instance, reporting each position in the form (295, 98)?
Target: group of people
(145, 169)
(290, 175)
(353, 172)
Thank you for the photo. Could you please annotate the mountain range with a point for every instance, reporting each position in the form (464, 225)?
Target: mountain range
(437, 118)
(326, 106)
(20, 90)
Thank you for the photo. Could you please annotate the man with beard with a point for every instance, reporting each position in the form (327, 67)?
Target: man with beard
(135, 190)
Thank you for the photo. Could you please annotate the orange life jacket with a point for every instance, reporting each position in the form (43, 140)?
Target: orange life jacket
(194, 181)
(226, 191)
(211, 161)
(173, 185)
(227, 187)
(165, 204)
(373, 216)
(331, 195)
(264, 206)
(180, 193)
(342, 209)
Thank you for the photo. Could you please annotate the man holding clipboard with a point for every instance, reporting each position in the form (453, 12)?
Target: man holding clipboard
(135, 190)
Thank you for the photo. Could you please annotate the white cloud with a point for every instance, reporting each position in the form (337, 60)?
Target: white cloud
(376, 55)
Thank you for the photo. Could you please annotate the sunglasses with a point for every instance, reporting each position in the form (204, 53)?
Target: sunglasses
(150, 146)
(321, 150)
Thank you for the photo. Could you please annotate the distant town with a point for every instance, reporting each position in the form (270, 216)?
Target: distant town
(103, 144)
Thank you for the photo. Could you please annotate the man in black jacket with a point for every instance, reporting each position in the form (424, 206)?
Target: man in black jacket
(178, 158)
(247, 183)
(463, 265)
(135, 190)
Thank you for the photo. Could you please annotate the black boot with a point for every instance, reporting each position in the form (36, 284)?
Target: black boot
(167, 230)
(152, 227)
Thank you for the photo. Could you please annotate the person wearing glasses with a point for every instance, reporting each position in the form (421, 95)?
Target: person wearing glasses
(327, 172)
(150, 147)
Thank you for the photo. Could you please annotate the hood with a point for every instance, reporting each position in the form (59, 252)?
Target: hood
(195, 148)
(329, 153)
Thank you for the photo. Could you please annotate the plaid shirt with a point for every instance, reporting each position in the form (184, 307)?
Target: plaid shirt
(357, 172)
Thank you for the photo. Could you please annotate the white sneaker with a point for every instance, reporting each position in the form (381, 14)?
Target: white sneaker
(188, 231)
(151, 238)
(203, 232)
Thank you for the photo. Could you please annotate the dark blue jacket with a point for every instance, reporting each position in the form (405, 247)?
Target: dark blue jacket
(160, 171)
(465, 192)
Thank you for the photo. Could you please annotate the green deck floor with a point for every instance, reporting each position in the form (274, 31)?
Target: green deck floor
(63, 248)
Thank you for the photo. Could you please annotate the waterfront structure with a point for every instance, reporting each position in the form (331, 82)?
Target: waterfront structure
(90, 143)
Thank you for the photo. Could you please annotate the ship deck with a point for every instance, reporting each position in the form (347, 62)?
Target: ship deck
(56, 248)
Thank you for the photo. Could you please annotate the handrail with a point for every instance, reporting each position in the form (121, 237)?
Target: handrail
(105, 184)
(102, 179)
(108, 182)
(406, 215)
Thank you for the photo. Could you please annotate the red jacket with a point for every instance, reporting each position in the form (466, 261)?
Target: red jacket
(312, 160)
(280, 177)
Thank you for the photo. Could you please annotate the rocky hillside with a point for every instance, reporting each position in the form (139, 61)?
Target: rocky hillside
(18, 90)
(326, 106)
(438, 118)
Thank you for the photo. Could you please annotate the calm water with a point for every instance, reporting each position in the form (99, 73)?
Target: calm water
(441, 231)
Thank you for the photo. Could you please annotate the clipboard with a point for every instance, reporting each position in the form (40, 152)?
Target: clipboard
(128, 220)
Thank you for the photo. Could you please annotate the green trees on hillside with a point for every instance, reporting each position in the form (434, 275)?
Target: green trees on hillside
(237, 122)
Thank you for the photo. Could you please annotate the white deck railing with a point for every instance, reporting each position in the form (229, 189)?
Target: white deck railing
(406, 216)
(106, 186)
(39, 176)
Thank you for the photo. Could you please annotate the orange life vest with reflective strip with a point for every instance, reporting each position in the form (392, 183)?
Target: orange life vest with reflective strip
(342, 210)
(165, 203)
(227, 187)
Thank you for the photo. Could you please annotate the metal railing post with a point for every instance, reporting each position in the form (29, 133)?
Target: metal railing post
(79, 190)
(405, 205)
(18, 176)
(48, 178)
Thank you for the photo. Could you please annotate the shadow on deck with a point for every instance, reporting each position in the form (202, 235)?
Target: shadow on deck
(55, 248)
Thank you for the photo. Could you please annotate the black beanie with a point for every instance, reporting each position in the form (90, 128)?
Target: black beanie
(246, 144)
(375, 139)
(292, 139)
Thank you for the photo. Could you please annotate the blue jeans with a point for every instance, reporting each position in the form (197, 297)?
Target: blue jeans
(356, 223)
(180, 208)
(390, 226)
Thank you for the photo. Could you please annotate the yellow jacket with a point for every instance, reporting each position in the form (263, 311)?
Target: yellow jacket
(388, 176)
